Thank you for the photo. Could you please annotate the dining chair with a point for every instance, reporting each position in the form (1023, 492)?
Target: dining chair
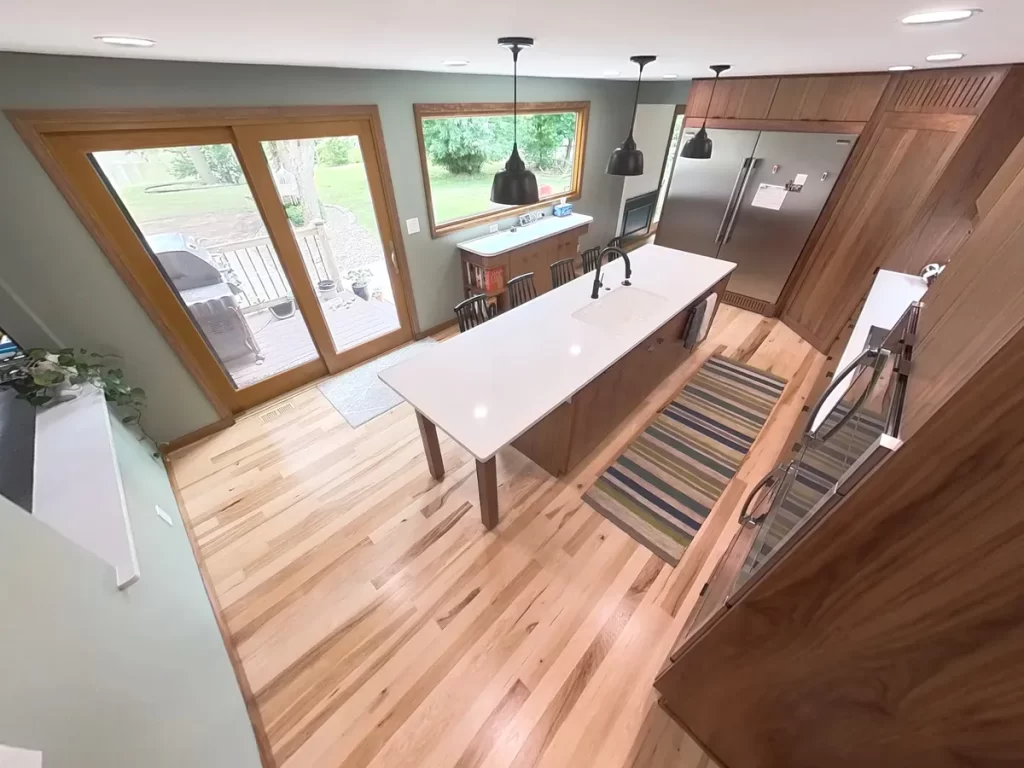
(562, 272)
(472, 312)
(615, 242)
(520, 290)
(590, 257)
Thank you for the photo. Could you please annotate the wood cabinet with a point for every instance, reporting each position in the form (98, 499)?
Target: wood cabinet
(536, 257)
(836, 98)
(889, 635)
(908, 195)
(745, 98)
(828, 97)
(568, 434)
(905, 158)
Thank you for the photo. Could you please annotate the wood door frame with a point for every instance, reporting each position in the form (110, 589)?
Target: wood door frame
(43, 131)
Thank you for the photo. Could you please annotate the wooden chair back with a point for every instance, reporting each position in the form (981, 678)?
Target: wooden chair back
(520, 290)
(590, 257)
(562, 272)
(472, 312)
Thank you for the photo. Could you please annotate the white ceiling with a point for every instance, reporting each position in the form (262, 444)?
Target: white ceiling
(575, 38)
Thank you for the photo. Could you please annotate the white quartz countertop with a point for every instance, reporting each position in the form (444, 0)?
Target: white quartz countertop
(501, 242)
(489, 385)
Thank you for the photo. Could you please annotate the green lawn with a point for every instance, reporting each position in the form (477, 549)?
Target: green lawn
(343, 185)
(455, 197)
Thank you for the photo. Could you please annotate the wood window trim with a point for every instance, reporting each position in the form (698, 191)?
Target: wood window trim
(44, 131)
(483, 109)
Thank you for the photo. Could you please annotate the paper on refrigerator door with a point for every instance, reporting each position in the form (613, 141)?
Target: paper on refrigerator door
(769, 196)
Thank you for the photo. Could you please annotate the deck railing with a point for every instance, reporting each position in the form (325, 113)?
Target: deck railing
(253, 266)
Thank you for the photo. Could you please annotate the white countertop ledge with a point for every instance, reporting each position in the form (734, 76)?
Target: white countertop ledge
(489, 385)
(502, 242)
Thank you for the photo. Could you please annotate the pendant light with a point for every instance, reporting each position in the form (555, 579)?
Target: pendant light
(515, 185)
(627, 160)
(699, 147)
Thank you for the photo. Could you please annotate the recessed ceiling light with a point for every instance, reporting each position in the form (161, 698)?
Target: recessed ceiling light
(133, 42)
(945, 57)
(611, 73)
(937, 17)
(901, 68)
(455, 63)
(669, 77)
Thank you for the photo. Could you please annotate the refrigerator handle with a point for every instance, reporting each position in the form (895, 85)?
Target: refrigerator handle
(736, 207)
(732, 198)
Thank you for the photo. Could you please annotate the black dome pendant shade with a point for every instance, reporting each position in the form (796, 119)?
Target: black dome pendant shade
(699, 147)
(515, 185)
(627, 160)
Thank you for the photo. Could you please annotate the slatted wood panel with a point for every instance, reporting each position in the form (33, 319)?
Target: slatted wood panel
(377, 622)
(953, 92)
(749, 98)
(890, 636)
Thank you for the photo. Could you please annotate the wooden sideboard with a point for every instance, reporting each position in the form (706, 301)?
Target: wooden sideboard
(536, 257)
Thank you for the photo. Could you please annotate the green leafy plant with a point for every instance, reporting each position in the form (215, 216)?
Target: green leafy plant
(40, 376)
(295, 214)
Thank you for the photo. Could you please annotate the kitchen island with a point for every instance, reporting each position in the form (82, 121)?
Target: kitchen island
(555, 376)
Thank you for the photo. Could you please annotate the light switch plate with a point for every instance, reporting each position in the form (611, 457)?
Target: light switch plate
(494, 227)
(412, 226)
(164, 516)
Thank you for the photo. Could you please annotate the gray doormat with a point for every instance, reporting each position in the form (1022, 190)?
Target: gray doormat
(359, 395)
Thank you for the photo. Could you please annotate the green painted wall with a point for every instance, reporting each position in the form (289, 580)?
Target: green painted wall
(62, 290)
(96, 677)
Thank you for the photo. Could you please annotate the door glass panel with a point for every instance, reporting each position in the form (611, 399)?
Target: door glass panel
(323, 186)
(198, 219)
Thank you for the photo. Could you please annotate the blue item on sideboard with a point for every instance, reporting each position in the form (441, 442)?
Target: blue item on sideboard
(563, 209)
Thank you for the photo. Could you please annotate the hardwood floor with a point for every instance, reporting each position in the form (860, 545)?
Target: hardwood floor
(374, 621)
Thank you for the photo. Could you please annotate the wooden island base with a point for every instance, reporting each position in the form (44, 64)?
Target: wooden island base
(568, 434)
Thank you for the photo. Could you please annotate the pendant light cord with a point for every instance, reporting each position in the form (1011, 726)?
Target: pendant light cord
(636, 99)
(707, 112)
(515, 95)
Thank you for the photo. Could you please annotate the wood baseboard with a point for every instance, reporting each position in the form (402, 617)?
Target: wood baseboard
(197, 435)
(436, 329)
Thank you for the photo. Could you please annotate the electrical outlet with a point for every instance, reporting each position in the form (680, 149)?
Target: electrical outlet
(494, 227)
(164, 516)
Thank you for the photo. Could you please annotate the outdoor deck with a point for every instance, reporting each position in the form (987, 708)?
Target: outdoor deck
(287, 343)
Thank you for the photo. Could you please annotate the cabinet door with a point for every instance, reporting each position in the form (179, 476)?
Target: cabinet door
(904, 160)
(828, 97)
(534, 258)
(748, 98)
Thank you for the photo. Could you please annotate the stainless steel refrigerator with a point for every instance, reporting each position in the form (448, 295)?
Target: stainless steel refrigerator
(754, 202)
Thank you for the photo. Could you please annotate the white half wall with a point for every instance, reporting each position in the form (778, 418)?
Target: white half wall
(651, 131)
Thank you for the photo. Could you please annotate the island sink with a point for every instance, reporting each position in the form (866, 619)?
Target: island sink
(615, 312)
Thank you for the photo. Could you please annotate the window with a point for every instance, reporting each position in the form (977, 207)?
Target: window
(462, 146)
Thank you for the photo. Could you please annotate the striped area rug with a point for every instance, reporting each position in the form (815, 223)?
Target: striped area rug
(662, 488)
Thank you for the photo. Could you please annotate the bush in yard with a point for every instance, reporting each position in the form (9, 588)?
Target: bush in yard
(457, 144)
(295, 214)
(210, 163)
(338, 150)
(547, 140)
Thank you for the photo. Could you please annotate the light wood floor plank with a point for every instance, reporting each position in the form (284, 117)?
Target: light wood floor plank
(376, 623)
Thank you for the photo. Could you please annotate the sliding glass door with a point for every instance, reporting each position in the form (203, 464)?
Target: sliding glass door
(265, 251)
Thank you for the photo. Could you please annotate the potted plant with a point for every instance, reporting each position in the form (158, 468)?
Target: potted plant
(360, 281)
(326, 288)
(46, 377)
